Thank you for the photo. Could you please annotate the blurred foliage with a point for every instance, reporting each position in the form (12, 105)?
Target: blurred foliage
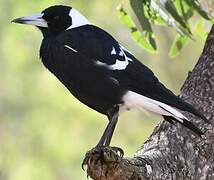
(181, 15)
(44, 131)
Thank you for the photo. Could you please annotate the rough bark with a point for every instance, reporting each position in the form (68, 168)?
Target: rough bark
(172, 151)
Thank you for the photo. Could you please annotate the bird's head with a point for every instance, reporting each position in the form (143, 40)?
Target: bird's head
(54, 20)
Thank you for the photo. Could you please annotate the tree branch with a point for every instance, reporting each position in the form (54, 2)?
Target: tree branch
(172, 151)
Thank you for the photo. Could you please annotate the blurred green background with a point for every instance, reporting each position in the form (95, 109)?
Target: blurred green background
(44, 131)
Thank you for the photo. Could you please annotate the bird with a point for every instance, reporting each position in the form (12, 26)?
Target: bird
(100, 72)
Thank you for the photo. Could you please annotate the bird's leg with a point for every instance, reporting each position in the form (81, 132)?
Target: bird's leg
(108, 139)
(107, 135)
(113, 116)
(111, 131)
(101, 149)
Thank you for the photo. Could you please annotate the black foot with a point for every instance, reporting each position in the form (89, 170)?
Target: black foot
(101, 155)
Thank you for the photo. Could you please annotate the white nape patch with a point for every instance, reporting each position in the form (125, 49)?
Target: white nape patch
(77, 19)
(149, 168)
(70, 48)
(113, 52)
(135, 100)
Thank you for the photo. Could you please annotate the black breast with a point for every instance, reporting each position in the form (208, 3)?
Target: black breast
(91, 84)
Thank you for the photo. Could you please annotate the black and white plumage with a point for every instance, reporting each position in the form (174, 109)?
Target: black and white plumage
(100, 72)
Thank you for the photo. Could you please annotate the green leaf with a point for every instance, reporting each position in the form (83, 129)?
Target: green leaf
(142, 42)
(177, 45)
(138, 8)
(169, 20)
(171, 9)
(196, 5)
(184, 9)
(126, 19)
(200, 28)
(136, 34)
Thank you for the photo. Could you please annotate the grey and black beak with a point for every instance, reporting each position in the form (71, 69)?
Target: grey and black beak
(35, 20)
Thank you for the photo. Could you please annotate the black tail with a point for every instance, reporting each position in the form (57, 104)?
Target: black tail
(184, 106)
(192, 110)
(170, 99)
(185, 123)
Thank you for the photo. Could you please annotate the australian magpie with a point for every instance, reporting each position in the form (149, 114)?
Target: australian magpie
(100, 72)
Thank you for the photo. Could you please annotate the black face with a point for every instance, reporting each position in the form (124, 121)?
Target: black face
(51, 21)
(57, 18)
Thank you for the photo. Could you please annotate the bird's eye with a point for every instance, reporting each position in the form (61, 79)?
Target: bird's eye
(56, 18)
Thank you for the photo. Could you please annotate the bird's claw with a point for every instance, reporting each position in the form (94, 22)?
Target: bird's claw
(90, 154)
(104, 154)
(118, 150)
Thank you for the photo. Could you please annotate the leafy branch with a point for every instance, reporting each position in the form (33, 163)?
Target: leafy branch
(186, 17)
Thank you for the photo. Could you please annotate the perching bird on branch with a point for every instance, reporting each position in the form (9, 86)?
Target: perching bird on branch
(100, 72)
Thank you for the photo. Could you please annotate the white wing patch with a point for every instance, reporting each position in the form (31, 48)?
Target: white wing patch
(129, 59)
(113, 52)
(121, 53)
(123, 48)
(99, 63)
(119, 65)
(132, 99)
(70, 48)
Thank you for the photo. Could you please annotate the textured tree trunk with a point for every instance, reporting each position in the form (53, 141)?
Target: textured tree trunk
(172, 151)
